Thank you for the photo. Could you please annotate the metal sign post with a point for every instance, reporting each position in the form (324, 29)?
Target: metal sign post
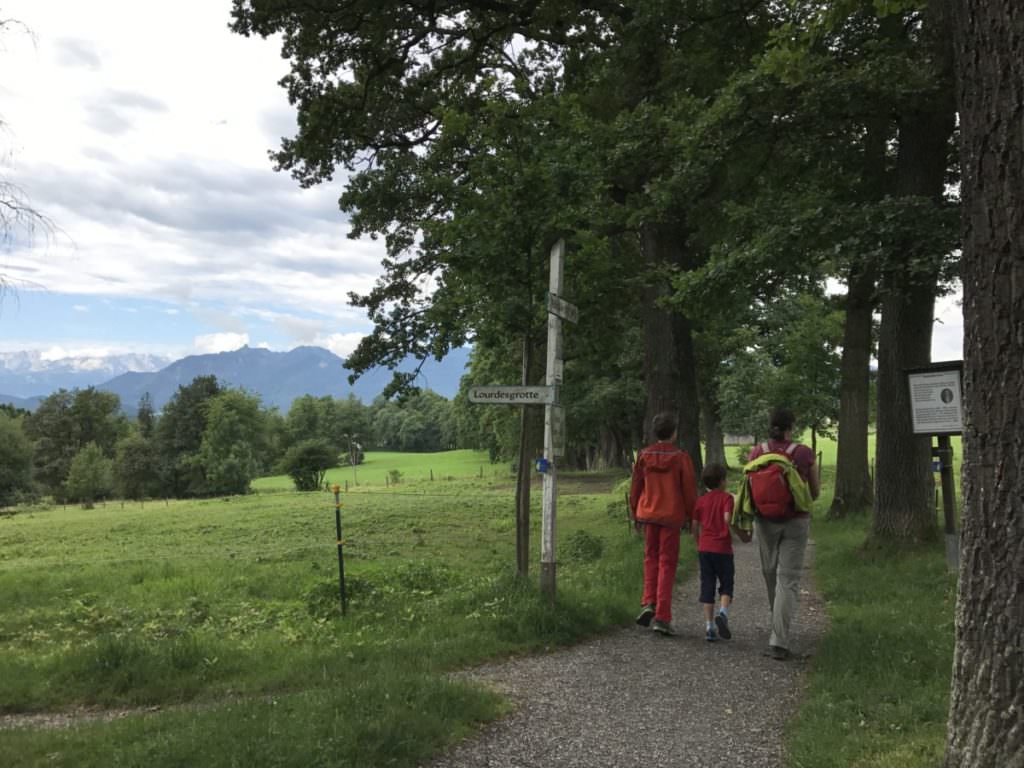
(937, 409)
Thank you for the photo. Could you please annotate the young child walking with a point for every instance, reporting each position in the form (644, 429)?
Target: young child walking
(713, 517)
(662, 498)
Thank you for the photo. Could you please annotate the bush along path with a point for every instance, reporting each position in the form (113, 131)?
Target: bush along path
(636, 697)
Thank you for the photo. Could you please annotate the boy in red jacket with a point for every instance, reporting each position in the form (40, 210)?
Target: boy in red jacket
(662, 498)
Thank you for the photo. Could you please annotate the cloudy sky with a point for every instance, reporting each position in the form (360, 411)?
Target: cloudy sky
(141, 129)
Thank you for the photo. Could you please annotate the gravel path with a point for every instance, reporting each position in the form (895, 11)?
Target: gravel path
(634, 697)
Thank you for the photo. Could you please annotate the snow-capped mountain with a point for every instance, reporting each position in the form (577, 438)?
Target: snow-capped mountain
(277, 377)
(30, 373)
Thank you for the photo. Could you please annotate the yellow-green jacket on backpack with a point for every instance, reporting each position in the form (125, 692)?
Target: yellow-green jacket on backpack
(744, 511)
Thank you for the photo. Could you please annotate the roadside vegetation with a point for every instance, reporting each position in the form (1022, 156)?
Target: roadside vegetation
(878, 685)
(216, 624)
(230, 607)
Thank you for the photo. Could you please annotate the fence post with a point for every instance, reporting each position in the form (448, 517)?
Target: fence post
(341, 544)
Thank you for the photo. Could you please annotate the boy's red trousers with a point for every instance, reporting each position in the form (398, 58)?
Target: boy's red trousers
(661, 556)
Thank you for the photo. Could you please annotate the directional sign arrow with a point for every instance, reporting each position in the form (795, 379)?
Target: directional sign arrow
(512, 395)
(563, 308)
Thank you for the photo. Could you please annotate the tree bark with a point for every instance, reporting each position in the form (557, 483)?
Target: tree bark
(670, 362)
(689, 396)
(714, 439)
(523, 472)
(661, 374)
(659, 371)
(987, 695)
(853, 491)
(904, 495)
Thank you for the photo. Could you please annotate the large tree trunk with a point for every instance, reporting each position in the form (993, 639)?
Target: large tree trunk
(661, 374)
(904, 495)
(853, 492)
(689, 397)
(714, 440)
(904, 505)
(987, 696)
(670, 363)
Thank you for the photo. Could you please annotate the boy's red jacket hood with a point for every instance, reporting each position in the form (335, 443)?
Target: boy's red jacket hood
(664, 488)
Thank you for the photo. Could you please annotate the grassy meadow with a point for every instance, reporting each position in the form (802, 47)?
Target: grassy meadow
(216, 621)
(377, 466)
(212, 626)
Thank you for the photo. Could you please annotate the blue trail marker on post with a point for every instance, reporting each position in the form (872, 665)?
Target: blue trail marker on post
(341, 549)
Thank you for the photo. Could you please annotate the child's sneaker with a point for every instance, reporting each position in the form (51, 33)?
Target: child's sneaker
(711, 636)
(662, 628)
(722, 622)
(646, 614)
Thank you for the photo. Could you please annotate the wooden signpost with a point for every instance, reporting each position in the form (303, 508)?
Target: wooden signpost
(936, 407)
(554, 415)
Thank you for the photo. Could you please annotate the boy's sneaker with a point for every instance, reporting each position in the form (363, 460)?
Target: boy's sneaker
(646, 614)
(722, 622)
(662, 628)
(711, 636)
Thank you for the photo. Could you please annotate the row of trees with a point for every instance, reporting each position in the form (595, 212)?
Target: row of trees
(709, 159)
(719, 168)
(208, 440)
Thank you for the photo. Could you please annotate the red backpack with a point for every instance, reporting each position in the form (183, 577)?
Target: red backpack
(769, 489)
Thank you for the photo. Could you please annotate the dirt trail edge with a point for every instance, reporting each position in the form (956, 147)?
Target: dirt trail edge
(633, 697)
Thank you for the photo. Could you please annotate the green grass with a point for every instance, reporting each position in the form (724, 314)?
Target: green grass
(223, 614)
(879, 686)
(878, 689)
(229, 608)
(412, 466)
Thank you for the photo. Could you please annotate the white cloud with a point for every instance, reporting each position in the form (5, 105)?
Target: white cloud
(155, 166)
(220, 342)
(80, 308)
(341, 344)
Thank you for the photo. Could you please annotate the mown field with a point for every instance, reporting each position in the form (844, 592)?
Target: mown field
(211, 628)
(216, 622)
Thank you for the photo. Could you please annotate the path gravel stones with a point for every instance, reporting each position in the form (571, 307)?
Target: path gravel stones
(633, 697)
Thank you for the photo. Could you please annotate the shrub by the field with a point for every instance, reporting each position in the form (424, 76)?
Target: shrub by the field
(307, 462)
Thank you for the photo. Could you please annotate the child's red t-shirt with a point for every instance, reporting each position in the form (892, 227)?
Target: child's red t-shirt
(712, 508)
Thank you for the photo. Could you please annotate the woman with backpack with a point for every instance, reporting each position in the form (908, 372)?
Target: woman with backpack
(781, 524)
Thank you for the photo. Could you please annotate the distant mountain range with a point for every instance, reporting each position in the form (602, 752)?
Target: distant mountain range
(30, 374)
(277, 377)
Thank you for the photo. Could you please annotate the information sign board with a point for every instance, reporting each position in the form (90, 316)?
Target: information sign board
(936, 403)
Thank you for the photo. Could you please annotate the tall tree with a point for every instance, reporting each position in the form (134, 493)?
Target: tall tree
(987, 696)
(904, 505)
(232, 441)
(179, 434)
(15, 460)
(146, 416)
(64, 423)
